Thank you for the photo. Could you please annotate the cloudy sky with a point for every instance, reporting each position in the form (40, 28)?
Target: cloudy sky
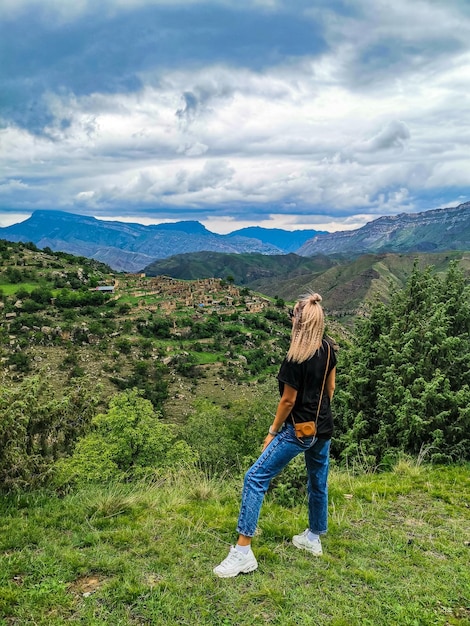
(281, 113)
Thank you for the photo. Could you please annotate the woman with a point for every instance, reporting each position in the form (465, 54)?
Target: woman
(306, 383)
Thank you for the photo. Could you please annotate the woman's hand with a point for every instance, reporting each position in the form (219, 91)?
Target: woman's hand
(267, 441)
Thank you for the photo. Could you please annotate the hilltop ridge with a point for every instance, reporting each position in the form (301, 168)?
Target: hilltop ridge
(429, 231)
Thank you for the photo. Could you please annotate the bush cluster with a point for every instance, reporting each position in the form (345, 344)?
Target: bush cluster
(227, 438)
(37, 428)
(128, 442)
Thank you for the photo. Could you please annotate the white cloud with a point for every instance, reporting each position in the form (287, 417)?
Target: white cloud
(394, 135)
(7, 219)
(12, 185)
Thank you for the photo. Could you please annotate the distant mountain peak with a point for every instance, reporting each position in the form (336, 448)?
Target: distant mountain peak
(192, 227)
(284, 240)
(123, 245)
(49, 214)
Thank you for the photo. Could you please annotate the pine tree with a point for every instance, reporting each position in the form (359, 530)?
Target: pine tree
(404, 383)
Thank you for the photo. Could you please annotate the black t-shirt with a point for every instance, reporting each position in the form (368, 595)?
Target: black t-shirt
(307, 378)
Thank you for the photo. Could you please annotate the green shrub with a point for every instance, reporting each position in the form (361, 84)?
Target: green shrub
(184, 364)
(290, 487)
(228, 437)
(36, 428)
(156, 327)
(31, 306)
(14, 275)
(150, 377)
(43, 296)
(123, 345)
(127, 442)
(20, 361)
(22, 293)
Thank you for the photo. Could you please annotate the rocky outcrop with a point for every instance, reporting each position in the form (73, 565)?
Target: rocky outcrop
(429, 231)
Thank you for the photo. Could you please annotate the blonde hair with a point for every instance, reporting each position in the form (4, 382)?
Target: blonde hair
(308, 328)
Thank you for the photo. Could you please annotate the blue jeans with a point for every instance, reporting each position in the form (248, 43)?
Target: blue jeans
(282, 449)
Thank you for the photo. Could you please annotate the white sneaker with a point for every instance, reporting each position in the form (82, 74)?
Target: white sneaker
(236, 563)
(303, 542)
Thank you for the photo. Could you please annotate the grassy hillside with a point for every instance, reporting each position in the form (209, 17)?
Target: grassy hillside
(244, 268)
(122, 555)
(349, 283)
(170, 343)
(161, 335)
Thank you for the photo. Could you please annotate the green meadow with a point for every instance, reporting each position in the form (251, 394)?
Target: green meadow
(397, 553)
(8, 289)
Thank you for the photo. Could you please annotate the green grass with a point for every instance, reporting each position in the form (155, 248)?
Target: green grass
(396, 553)
(9, 289)
(203, 358)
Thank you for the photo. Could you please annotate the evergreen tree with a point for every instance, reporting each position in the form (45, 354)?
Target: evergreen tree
(404, 383)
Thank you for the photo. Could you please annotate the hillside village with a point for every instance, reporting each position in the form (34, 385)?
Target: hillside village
(206, 295)
(43, 268)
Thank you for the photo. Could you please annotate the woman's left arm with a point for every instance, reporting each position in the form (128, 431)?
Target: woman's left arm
(285, 406)
(331, 383)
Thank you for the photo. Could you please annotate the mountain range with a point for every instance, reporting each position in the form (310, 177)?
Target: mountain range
(130, 247)
(245, 269)
(133, 247)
